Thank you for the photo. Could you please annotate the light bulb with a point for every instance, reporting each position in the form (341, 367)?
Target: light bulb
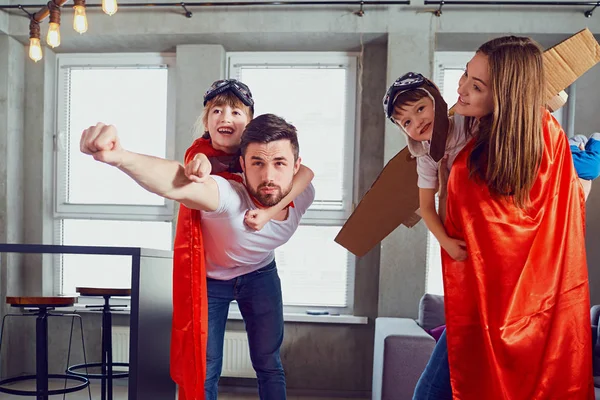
(35, 49)
(80, 23)
(109, 6)
(53, 37)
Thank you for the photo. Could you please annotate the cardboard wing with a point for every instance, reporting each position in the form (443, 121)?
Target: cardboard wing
(393, 199)
(568, 60)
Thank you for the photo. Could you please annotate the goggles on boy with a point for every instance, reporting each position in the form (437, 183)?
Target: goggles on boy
(407, 81)
(239, 89)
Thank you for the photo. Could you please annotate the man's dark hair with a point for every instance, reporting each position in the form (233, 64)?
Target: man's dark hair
(269, 128)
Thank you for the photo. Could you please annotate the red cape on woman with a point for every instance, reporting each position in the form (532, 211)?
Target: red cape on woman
(517, 310)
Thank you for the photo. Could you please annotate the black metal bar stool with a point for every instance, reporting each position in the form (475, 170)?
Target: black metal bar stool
(41, 308)
(107, 374)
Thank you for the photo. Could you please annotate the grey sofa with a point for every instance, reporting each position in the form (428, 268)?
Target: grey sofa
(402, 348)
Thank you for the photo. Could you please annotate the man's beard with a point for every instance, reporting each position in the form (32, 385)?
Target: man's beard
(269, 199)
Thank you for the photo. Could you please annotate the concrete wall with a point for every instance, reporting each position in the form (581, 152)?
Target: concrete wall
(391, 278)
(12, 180)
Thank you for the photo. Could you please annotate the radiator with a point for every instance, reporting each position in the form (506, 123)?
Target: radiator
(120, 346)
(236, 354)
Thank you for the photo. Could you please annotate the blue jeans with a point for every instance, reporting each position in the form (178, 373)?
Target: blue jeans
(258, 295)
(434, 383)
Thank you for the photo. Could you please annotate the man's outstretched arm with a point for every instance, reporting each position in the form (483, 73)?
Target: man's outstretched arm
(166, 178)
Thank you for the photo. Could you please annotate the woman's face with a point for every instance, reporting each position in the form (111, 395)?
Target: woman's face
(474, 91)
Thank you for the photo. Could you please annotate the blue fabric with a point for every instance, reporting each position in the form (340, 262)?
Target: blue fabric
(258, 295)
(587, 162)
(434, 383)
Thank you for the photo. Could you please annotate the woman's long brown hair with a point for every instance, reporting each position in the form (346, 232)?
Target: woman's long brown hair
(509, 145)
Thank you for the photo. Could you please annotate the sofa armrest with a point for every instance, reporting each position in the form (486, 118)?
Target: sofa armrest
(401, 351)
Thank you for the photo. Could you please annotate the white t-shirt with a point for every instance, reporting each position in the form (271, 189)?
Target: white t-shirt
(230, 247)
(457, 139)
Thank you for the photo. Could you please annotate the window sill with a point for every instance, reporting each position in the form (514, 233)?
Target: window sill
(317, 319)
(237, 316)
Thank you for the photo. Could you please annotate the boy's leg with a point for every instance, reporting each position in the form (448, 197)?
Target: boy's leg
(434, 383)
(261, 305)
(587, 163)
(220, 294)
(593, 145)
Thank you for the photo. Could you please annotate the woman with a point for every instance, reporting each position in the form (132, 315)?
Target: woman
(517, 310)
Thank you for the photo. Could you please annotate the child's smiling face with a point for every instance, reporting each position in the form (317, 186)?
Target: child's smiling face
(416, 118)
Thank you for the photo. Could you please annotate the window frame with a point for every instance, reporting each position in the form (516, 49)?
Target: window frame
(63, 210)
(320, 215)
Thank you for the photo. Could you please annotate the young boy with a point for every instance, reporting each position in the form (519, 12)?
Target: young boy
(415, 105)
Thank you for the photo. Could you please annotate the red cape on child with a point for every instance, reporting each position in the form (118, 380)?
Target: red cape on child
(517, 310)
(190, 302)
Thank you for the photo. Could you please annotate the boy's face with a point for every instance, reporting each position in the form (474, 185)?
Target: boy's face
(225, 126)
(416, 118)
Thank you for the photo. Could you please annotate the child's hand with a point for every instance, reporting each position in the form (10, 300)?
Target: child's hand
(198, 170)
(256, 219)
(457, 249)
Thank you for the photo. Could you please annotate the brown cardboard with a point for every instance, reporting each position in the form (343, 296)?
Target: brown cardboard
(393, 198)
(568, 60)
(557, 101)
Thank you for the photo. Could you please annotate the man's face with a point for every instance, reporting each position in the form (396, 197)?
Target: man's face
(269, 170)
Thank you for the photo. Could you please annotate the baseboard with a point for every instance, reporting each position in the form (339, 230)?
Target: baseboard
(248, 386)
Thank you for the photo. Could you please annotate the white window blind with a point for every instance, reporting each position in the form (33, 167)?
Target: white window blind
(448, 68)
(96, 204)
(129, 95)
(315, 92)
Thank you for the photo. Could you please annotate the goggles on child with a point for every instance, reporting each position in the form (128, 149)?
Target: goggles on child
(406, 82)
(239, 89)
(412, 81)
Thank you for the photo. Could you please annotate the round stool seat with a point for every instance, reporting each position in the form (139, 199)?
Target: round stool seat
(82, 383)
(73, 370)
(89, 291)
(42, 301)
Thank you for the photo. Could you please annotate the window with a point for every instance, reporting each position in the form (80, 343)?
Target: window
(448, 68)
(316, 92)
(96, 204)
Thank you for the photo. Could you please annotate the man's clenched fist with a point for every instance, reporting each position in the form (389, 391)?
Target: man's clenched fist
(101, 141)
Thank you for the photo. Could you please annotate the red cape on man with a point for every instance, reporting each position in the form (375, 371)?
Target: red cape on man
(190, 302)
(517, 310)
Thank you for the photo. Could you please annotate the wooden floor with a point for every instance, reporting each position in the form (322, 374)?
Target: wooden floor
(120, 393)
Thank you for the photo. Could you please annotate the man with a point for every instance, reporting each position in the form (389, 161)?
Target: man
(240, 262)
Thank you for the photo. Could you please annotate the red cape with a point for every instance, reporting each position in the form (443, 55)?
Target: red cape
(517, 311)
(190, 302)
